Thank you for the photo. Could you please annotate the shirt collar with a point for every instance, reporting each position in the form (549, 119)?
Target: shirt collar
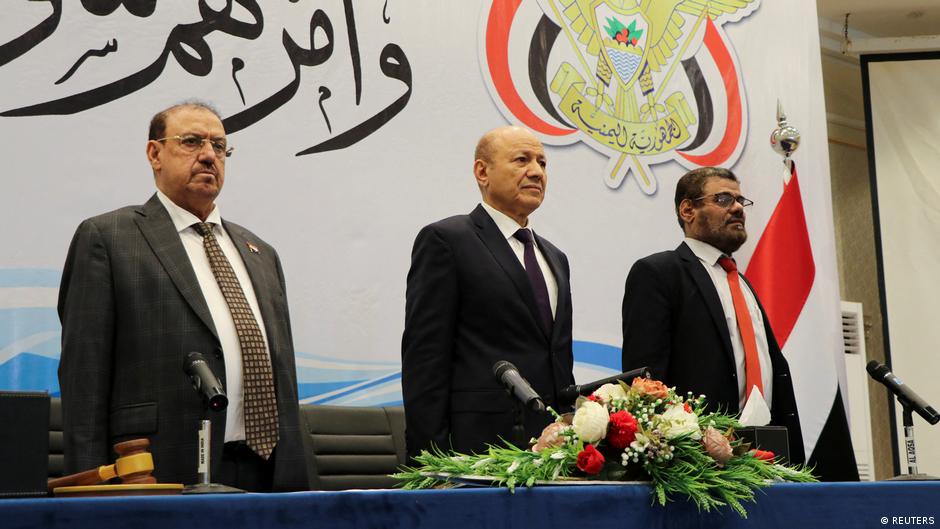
(704, 251)
(506, 224)
(183, 219)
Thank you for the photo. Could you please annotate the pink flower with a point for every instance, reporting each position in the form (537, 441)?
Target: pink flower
(650, 387)
(621, 431)
(590, 461)
(717, 445)
(551, 437)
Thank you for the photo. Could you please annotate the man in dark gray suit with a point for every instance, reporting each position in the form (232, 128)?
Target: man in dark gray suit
(485, 287)
(142, 287)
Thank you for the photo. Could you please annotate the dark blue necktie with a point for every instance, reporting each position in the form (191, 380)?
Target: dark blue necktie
(534, 271)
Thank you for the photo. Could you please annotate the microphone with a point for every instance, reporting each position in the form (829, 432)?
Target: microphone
(571, 393)
(903, 392)
(509, 376)
(205, 381)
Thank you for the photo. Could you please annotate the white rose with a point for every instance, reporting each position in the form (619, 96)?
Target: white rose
(677, 421)
(609, 392)
(590, 421)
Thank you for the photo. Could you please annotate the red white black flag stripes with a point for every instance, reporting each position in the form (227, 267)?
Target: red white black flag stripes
(782, 271)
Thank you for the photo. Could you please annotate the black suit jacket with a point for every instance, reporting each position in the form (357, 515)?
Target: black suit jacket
(469, 304)
(673, 322)
(131, 309)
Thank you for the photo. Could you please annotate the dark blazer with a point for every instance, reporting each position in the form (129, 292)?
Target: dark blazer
(131, 309)
(469, 304)
(673, 322)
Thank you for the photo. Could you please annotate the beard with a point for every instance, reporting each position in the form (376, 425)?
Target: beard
(728, 241)
(727, 237)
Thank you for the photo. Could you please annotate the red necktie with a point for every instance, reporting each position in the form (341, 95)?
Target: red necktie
(752, 373)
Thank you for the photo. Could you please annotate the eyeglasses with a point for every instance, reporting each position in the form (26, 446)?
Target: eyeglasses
(193, 143)
(725, 200)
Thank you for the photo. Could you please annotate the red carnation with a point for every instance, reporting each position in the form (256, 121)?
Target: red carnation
(621, 431)
(590, 461)
(763, 455)
(686, 407)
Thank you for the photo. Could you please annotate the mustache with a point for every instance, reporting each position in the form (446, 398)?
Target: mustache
(736, 217)
(207, 169)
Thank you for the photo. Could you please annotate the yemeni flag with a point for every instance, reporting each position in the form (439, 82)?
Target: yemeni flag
(782, 271)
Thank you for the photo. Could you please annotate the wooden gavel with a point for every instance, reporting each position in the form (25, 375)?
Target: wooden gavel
(134, 464)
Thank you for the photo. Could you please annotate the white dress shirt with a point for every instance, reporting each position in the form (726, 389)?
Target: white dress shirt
(708, 255)
(218, 308)
(508, 227)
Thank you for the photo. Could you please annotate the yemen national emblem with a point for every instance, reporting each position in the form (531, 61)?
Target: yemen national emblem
(642, 81)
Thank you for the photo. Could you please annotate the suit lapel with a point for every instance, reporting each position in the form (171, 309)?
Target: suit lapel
(155, 224)
(260, 282)
(249, 253)
(498, 246)
(561, 281)
(705, 285)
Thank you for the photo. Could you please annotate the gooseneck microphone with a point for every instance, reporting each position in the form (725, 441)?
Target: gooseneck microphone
(571, 393)
(204, 381)
(903, 392)
(509, 376)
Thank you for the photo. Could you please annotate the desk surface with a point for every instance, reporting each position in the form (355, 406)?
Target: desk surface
(793, 506)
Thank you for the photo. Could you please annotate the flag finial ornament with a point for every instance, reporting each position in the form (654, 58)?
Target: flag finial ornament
(785, 138)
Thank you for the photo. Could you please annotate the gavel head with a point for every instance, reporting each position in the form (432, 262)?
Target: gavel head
(134, 463)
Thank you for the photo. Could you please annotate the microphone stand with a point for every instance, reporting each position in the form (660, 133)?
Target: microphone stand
(518, 426)
(912, 474)
(204, 464)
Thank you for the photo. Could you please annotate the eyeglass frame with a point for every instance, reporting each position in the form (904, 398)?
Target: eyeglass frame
(740, 199)
(227, 153)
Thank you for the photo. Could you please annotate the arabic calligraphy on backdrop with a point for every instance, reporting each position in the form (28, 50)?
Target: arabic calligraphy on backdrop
(189, 47)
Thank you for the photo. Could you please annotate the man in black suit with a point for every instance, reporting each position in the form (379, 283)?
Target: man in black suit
(478, 293)
(680, 316)
(140, 291)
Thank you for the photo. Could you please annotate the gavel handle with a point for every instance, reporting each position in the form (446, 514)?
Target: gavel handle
(88, 477)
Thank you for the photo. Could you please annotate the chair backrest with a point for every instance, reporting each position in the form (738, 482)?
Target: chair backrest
(24, 435)
(353, 447)
(56, 440)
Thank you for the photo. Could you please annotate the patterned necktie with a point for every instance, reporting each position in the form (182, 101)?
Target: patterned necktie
(752, 374)
(534, 271)
(260, 402)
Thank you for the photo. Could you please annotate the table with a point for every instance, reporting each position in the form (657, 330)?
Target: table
(789, 505)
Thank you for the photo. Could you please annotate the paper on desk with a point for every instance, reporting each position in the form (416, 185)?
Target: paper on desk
(756, 412)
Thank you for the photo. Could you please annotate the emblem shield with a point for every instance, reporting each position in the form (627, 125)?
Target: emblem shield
(624, 34)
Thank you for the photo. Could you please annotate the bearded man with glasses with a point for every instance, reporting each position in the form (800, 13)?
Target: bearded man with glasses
(144, 286)
(692, 318)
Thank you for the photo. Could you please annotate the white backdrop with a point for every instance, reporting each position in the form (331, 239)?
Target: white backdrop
(344, 220)
(904, 128)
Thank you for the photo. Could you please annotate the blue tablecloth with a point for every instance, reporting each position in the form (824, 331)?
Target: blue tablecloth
(793, 506)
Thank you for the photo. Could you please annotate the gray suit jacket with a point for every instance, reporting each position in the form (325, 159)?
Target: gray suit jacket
(131, 310)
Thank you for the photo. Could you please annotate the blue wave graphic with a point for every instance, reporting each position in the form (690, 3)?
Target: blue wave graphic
(30, 342)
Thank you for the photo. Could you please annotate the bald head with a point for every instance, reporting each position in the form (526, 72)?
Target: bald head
(509, 166)
(489, 142)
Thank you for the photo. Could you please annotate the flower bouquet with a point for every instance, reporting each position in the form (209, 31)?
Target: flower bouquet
(638, 432)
